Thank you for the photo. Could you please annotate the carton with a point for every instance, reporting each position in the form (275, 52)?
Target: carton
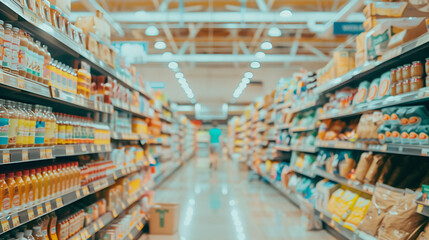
(96, 25)
(64, 5)
(164, 218)
(391, 10)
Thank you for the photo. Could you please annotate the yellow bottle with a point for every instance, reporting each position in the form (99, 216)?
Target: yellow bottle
(4, 196)
(52, 183)
(69, 177)
(29, 192)
(46, 184)
(21, 189)
(62, 178)
(32, 126)
(76, 175)
(34, 186)
(21, 133)
(57, 180)
(13, 191)
(41, 185)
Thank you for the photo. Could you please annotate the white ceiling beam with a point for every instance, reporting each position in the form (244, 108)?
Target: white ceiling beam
(223, 17)
(170, 38)
(219, 58)
(164, 5)
(193, 52)
(258, 33)
(262, 5)
(295, 45)
(316, 51)
(193, 31)
(244, 48)
(156, 3)
(93, 6)
(218, 25)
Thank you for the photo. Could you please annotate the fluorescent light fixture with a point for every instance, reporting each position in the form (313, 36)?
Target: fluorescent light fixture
(286, 13)
(248, 75)
(173, 65)
(140, 13)
(274, 32)
(260, 54)
(167, 55)
(266, 45)
(182, 80)
(255, 65)
(179, 75)
(151, 31)
(160, 45)
(242, 85)
(245, 80)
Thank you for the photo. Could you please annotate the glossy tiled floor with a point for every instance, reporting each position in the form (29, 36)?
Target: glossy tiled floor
(223, 205)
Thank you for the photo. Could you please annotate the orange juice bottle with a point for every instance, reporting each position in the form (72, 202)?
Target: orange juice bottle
(52, 227)
(62, 178)
(69, 177)
(13, 191)
(52, 183)
(57, 180)
(33, 191)
(21, 189)
(32, 125)
(40, 185)
(76, 175)
(46, 183)
(4, 196)
(28, 191)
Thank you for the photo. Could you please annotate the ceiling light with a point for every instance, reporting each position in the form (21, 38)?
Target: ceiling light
(260, 54)
(266, 45)
(167, 55)
(179, 75)
(255, 65)
(245, 80)
(173, 65)
(242, 85)
(182, 80)
(274, 32)
(140, 13)
(286, 13)
(160, 45)
(151, 31)
(248, 75)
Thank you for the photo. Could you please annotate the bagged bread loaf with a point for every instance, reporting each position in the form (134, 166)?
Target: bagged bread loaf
(375, 168)
(363, 165)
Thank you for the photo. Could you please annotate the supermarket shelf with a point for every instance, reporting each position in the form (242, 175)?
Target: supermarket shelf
(17, 155)
(282, 106)
(337, 226)
(19, 83)
(80, 149)
(162, 176)
(94, 227)
(166, 107)
(403, 99)
(304, 171)
(422, 208)
(128, 136)
(165, 119)
(283, 148)
(390, 59)
(306, 149)
(133, 110)
(284, 126)
(368, 188)
(136, 229)
(304, 129)
(288, 194)
(270, 122)
(307, 106)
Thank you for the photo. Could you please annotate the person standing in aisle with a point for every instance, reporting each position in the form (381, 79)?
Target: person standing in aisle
(215, 145)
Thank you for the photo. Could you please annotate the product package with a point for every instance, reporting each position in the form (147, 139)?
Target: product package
(357, 214)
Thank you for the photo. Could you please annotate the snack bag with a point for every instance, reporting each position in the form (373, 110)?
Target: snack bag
(363, 165)
(390, 116)
(373, 90)
(423, 134)
(384, 87)
(362, 93)
(417, 115)
(333, 201)
(357, 214)
(375, 168)
(345, 203)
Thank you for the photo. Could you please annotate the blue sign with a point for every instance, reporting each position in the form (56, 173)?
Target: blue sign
(348, 28)
(133, 51)
(157, 85)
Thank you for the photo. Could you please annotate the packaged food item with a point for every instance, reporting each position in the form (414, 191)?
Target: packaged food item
(413, 135)
(362, 93)
(364, 164)
(402, 115)
(423, 131)
(396, 134)
(405, 132)
(416, 84)
(387, 170)
(417, 115)
(357, 213)
(7, 49)
(345, 204)
(333, 201)
(346, 165)
(402, 219)
(375, 168)
(384, 87)
(373, 90)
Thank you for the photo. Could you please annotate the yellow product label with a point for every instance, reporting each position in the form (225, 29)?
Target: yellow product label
(48, 126)
(69, 134)
(21, 134)
(62, 134)
(13, 130)
(27, 131)
(32, 132)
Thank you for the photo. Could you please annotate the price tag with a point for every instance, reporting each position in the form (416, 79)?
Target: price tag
(123, 171)
(130, 236)
(78, 194)
(69, 150)
(85, 231)
(140, 226)
(30, 214)
(20, 83)
(114, 176)
(15, 221)
(92, 148)
(83, 148)
(24, 155)
(419, 208)
(42, 153)
(100, 223)
(48, 206)
(49, 153)
(39, 211)
(59, 202)
(98, 148)
(115, 214)
(85, 190)
(82, 235)
(6, 157)
(5, 225)
(95, 226)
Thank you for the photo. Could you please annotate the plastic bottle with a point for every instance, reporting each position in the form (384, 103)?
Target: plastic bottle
(4, 125)
(46, 183)
(1, 42)
(35, 58)
(63, 76)
(37, 233)
(57, 181)
(62, 129)
(46, 61)
(28, 196)
(41, 185)
(13, 191)
(69, 130)
(45, 224)
(7, 50)
(77, 176)
(40, 126)
(22, 55)
(31, 69)
(49, 127)
(52, 183)
(4, 195)
(40, 62)
(13, 124)
(52, 228)
(15, 50)
(34, 189)
(23, 126)
(28, 234)
(21, 189)
(32, 125)
(58, 73)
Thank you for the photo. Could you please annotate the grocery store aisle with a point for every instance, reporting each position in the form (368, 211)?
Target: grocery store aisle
(223, 205)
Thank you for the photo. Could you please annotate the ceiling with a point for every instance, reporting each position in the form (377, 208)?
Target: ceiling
(214, 41)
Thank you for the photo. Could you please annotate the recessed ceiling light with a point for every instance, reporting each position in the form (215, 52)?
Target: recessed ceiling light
(260, 54)
(173, 65)
(266, 45)
(245, 80)
(242, 85)
(151, 31)
(160, 45)
(274, 32)
(255, 65)
(181, 80)
(248, 75)
(179, 75)
(286, 13)
(167, 55)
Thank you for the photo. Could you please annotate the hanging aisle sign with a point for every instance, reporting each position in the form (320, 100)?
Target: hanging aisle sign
(348, 28)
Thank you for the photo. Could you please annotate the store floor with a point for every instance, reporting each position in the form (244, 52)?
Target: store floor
(223, 205)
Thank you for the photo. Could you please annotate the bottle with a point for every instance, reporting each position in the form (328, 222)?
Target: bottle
(63, 76)
(13, 124)
(77, 177)
(62, 129)
(33, 193)
(69, 130)
(52, 183)
(28, 234)
(58, 73)
(41, 185)
(37, 233)
(7, 50)
(40, 62)
(4, 125)
(4, 196)
(40, 126)
(46, 183)
(60, 189)
(49, 127)
(28, 196)
(22, 54)
(20, 236)
(15, 50)
(52, 227)
(13, 191)
(23, 127)
(21, 189)
(31, 59)
(32, 126)
(56, 187)
(45, 224)
(46, 70)
(67, 177)
(1, 42)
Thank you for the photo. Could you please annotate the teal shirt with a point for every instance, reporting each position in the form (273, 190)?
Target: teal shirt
(214, 135)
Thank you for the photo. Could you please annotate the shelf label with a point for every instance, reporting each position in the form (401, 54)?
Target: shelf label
(114, 176)
(85, 190)
(82, 235)
(419, 208)
(49, 153)
(95, 226)
(100, 223)
(98, 148)
(15, 221)
(130, 236)
(123, 171)
(30, 214)
(48, 206)
(69, 150)
(42, 153)
(5, 225)
(115, 214)
(20, 83)
(140, 226)
(83, 148)
(6, 157)
(78, 196)
(92, 148)
(85, 232)
(39, 211)
(24, 155)
(59, 202)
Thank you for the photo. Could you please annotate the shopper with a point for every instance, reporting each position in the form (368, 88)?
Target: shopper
(215, 145)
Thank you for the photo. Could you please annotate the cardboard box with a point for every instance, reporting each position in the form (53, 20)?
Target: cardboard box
(164, 218)
(92, 44)
(64, 5)
(392, 10)
(96, 25)
(371, 22)
(343, 62)
(409, 30)
(360, 43)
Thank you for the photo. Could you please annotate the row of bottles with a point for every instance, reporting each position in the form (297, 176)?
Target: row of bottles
(29, 187)
(45, 228)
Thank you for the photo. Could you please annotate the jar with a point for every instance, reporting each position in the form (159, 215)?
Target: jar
(416, 84)
(47, 11)
(393, 88)
(417, 69)
(399, 74)
(66, 26)
(399, 88)
(406, 86)
(55, 17)
(23, 51)
(15, 50)
(427, 66)
(7, 51)
(393, 75)
(1, 42)
(406, 71)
